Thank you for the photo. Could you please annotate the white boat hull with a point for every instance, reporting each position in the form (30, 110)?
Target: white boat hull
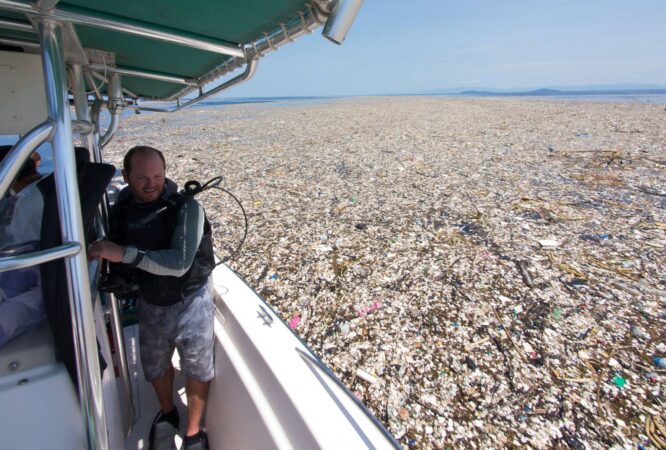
(269, 391)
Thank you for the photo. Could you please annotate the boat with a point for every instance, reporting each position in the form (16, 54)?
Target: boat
(64, 67)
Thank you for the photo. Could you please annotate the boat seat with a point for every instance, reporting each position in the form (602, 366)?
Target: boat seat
(32, 349)
(93, 178)
(42, 346)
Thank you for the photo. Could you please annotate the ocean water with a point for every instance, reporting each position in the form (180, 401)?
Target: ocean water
(268, 101)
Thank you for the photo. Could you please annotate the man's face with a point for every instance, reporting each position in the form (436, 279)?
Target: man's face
(146, 179)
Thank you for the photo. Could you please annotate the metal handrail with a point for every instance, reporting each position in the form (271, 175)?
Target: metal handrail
(11, 165)
(69, 210)
(82, 127)
(16, 25)
(121, 354)
(19, 43)
(250, 69)
(83, 113)
(39, 256)
(115, 104)
(143, 74)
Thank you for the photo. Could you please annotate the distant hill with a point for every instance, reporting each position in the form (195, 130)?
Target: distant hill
(549, 90)
(557, 92)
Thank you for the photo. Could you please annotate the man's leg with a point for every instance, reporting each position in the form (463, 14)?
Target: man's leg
(164, 389)
(195, 346)
(156, 352)
(197, 391)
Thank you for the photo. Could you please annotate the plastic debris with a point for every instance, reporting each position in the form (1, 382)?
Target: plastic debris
(294, 321)
(572, 441)
(660, 362)
(557, 313)
(362, 312)
(470, 363)
(363, 375)
(449, 194)
(525, 273)
(639, 333)
(619, 381)
(549, 243)
(595, 237)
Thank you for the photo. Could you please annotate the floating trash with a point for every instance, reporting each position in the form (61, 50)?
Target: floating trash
(333, 197)
(294, 321)
(363, 375)
(619, 381)
(368, 309)
(595, 237)
(557, 313)
(470, 228)
(639, 332)
(549, 243)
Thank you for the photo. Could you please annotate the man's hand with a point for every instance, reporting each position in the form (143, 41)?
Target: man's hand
(107, 250)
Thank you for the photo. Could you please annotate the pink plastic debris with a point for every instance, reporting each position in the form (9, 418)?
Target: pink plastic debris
(294, 321)
(368, 309)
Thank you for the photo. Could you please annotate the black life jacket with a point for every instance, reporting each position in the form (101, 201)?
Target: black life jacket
(151, 227)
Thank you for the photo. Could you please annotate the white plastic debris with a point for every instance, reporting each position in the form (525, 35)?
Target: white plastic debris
(362, 374)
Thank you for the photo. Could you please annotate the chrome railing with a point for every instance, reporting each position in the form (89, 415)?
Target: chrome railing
(11, 165)
(249, 71)
(93, 143)
(69, 210)
(39, 257)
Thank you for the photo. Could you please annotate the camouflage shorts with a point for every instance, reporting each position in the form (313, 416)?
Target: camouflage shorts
(186, 326)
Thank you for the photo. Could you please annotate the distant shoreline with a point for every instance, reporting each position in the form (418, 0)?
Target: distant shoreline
(654, 96)
(557, 92)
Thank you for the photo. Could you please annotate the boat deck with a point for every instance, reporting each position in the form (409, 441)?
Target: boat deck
(146, 405)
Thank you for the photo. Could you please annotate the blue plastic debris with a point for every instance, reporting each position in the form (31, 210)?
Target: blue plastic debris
(596, 237)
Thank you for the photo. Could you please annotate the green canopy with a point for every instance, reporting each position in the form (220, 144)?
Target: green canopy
(236, 24)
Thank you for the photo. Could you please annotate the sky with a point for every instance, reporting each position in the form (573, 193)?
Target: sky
(418, 46)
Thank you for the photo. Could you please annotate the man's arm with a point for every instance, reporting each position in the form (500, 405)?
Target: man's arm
(176, 260)
(173, 261)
